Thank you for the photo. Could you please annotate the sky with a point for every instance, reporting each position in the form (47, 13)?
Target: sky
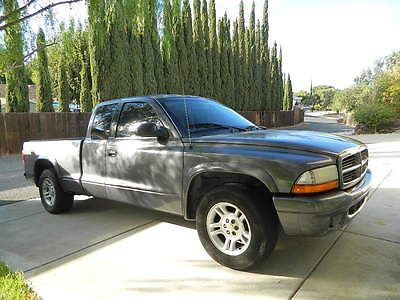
(327, 41)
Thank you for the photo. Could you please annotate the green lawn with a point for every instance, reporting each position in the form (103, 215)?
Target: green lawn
(13, 286)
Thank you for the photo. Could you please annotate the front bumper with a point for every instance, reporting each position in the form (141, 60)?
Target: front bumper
(317, 214)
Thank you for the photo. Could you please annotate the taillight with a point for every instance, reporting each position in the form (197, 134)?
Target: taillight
(23, 156)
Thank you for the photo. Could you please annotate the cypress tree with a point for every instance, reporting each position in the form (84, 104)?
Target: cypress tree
(136, 59)
(63, 89)
(237, 69)
(119, 72)
(193, 85)
(169, 51)
(288, 98)
(99, 51)
(207, 88)
(43, 86)
(155, 40)
(199, 47)
(266, 97)
(183, 63)
(259, 70)
(252, 60)
(230, 81)
(275, 89)
(222, 93)
(149, 77)
(216, 70)
(289, 104)
(280, 81)
(17, 86)
(85, 97)
(243, 89)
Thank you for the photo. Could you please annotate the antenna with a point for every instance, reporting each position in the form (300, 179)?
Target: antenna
(187, 123)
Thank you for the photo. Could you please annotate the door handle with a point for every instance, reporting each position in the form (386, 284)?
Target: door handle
(112, 153)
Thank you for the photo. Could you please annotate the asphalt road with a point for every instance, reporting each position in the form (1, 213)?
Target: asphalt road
(317, 121)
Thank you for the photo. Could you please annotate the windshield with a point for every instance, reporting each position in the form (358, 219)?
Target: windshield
(206, 117)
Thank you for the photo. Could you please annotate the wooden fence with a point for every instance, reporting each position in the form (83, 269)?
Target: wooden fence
(16, 128)
(272, 119)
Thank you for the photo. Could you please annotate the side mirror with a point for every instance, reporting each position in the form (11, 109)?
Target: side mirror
(152, 130)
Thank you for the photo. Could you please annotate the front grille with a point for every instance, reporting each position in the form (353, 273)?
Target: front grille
(353, 168)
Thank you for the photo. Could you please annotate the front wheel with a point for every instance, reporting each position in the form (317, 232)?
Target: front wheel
(236, 230)
(53, 198)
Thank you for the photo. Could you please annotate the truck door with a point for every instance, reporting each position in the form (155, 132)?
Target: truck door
(143, 170)
(94, 150)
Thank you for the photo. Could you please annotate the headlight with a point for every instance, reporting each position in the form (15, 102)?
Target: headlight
(317, 180)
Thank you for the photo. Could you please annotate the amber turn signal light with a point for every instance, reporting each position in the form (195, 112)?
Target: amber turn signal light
(314, 188)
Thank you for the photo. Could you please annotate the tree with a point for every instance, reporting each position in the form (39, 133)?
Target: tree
(20, 14)
(85, 97)
(275, 89)
(224, 46)
(237, 69)
(199, 47)
(192, 81)
(183, 63)
(324, 95)
(252, 60)
(149, 77)
(17, 86)
(169, 50)
(99, 51)
(288, 99)
(14, 16)
(155, 40)
(119, 71)
(207, 86)
(244, 87)
(214, 56)
(266, 90)
(63, 89)
(43, 85)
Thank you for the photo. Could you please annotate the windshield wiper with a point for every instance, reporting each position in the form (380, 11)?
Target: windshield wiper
(216, 126)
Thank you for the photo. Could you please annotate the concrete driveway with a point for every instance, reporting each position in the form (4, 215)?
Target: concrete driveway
(108, 250)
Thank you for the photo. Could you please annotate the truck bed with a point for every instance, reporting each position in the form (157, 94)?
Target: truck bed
(64, 154)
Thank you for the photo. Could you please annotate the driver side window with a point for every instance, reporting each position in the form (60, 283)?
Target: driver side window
(134, 114)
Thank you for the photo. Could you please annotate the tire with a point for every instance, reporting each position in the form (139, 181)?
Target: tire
(251, 230)
(53, 198)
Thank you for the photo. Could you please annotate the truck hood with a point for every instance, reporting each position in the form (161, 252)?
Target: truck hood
(311, 141)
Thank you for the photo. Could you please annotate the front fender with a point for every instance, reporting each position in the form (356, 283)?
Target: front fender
(232, 167)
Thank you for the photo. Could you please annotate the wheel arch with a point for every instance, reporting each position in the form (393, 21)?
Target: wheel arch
(41, 164)
(204, 179)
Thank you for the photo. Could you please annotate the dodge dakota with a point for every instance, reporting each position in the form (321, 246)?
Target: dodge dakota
(197, 158)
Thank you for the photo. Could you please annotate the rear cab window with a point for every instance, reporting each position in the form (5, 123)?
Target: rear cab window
(101, 126)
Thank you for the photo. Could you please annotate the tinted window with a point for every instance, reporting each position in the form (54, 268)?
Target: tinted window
(204, 116)
(102, 121)
(134, 114)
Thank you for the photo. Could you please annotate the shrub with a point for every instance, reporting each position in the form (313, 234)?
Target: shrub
(374, 115)
(13, 286)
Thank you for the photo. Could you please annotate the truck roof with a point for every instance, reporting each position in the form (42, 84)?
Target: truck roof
(160, 98)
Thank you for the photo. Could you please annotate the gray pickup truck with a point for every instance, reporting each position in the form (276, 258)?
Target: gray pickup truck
(194, 157)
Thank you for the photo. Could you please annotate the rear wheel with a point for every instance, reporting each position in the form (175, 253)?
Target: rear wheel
(235, 229)
(53, 198)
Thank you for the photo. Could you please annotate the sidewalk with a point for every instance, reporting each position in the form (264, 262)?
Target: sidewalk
(106, 250)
